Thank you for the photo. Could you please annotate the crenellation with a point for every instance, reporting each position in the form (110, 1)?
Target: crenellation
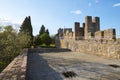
(99, 35)
(96, 20)
(68, 33)
(89, 30)
(88, 25)
(83, 25)
(110, 34)
(76, 30)
(91, 40)
(60, 32)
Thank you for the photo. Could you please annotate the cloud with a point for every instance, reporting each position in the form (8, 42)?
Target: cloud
(96, 1)
(77, 12)
(6, 21)
(89, 4)
(116, 5)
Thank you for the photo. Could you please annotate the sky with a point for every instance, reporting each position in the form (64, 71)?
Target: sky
(55, 14)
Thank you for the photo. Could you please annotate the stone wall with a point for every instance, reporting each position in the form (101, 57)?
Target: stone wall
(110, 49)
(89, 39)
(16, 70)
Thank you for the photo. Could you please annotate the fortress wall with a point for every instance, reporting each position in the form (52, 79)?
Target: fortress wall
(93, 40)
(107, 50)
(99, 35)
(96, 21)
(110, 34)
(16, 70)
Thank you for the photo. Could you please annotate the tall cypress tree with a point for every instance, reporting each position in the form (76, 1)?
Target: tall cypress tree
(26, 27)
(42, 30)
(47, 31)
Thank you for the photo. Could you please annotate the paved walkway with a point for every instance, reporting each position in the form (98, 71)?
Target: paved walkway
(71, 66)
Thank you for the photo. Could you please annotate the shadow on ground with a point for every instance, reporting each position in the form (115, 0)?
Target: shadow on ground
(38, 68)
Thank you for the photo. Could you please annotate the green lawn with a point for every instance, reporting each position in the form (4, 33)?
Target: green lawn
(48, 46)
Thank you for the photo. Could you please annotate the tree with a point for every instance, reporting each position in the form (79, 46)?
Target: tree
(26, 28)
(37, 40)
(11, 44)
(42, 30)
(47, 31)
(46, 39)
(53, 38)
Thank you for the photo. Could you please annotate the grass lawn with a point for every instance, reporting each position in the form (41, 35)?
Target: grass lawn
(48, 46)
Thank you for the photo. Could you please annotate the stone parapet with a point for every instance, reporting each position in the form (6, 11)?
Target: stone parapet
(16, 70)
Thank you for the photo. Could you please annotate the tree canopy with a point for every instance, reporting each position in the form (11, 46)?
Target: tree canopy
(45, 39)
(26, 28)
(42, 30)
(11, 44)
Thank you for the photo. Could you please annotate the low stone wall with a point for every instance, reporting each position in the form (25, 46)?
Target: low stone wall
(16, 70)
(47, 50)
(107, 49)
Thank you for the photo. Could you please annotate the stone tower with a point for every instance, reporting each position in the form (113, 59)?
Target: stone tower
(88, 26)
(60, 32)
(91, 26)
(96, 23)
(78, 31)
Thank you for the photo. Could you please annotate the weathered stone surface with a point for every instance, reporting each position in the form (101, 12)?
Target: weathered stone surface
(50, 66)
(16, 70)
(92, 41)
(108, 50)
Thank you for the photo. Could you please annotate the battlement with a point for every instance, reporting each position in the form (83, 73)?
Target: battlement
(90, 39)
(90, 30)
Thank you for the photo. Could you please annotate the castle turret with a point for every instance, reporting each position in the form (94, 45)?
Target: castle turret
(91, 26)
(96, 21)
(88, 26)
(76, 30)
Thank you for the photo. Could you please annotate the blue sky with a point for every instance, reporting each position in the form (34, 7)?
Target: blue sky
(60, 13)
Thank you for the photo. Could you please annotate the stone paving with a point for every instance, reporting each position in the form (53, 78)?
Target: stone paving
(51, 66)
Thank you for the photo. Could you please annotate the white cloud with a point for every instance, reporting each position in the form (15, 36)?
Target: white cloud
(116, 5)
(6, 21)
(89, 4)
(96, 1)
(77, 12)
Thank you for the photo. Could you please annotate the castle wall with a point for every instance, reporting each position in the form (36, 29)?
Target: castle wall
(88, 26)
(94, 41)
(107, 50)
(68, 34)
(91, 26)
(78, 31)
(67, 29)
(110, 34)
(99, 35)
(60, 32)
(96, 22)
